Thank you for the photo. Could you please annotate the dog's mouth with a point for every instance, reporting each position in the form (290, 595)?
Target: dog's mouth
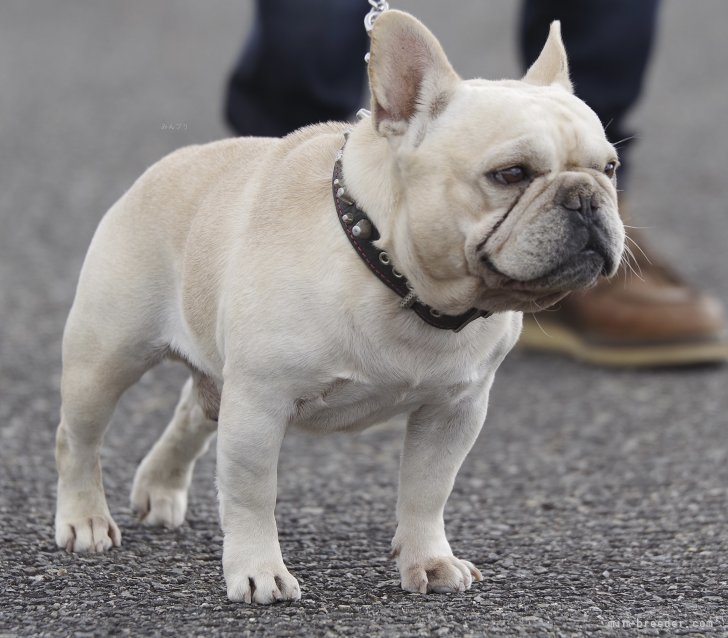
(579, 271)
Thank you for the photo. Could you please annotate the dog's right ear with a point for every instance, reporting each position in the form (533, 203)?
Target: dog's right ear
(409, 73)
(552, 65)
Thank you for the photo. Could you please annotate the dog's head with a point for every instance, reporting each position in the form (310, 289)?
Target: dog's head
(504, 191)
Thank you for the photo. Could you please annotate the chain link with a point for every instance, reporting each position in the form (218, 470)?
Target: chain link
(378, 7)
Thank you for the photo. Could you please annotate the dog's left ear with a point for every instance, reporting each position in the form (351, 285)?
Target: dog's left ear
(409, 73)
(552, 66)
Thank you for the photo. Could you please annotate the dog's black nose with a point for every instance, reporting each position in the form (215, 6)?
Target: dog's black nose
(585, 204)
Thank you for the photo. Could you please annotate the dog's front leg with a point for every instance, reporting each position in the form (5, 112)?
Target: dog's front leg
(250, 434)
(438, 439)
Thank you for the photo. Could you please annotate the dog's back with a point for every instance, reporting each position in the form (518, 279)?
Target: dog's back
(171, 235)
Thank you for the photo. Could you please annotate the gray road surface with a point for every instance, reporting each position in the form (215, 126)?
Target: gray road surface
(594, 501)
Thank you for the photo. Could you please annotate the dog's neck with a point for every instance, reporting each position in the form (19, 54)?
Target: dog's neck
(361, 200)
(373, 180)
(369, 169)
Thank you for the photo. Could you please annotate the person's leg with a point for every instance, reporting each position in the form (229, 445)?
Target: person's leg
(650, 318)
(303, 63)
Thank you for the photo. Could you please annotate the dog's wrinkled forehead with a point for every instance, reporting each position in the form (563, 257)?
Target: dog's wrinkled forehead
(512, 121)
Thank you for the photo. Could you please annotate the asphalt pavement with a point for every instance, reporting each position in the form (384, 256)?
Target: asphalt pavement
(595, 502)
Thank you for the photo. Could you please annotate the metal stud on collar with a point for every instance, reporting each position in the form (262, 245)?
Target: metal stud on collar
(362, 229)
(341, 194)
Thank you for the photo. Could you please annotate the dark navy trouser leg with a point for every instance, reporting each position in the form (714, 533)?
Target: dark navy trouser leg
(303, 63)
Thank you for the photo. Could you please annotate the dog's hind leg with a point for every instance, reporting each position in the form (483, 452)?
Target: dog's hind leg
(99, 363)
(159, 494)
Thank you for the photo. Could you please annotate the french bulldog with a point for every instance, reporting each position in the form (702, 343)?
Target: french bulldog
(238, 258)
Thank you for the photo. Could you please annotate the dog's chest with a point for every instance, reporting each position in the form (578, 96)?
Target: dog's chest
(346, 404)
(401, 380)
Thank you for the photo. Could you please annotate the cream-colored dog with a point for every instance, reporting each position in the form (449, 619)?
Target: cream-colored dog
(230, 256)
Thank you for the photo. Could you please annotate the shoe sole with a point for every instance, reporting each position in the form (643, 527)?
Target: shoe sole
(556, 338)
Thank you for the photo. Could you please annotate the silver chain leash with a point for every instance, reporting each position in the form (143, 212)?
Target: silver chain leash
(378, 7)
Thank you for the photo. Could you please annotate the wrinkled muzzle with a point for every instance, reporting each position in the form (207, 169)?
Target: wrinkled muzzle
(562, 240)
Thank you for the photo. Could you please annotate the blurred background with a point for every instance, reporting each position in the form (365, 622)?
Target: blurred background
(611, 484)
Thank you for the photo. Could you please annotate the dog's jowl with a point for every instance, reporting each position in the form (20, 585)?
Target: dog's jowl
(330, 281)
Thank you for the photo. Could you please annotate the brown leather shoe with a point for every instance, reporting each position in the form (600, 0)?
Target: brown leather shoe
(654, 319)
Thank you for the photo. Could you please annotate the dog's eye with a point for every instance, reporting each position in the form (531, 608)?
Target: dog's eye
(609, 169)
(511, 175)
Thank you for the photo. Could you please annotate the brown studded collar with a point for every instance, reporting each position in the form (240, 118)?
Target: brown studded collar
(362, 234)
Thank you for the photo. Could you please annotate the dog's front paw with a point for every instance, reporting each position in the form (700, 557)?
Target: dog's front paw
(262, 583)
(95, 533)
(441, 575)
